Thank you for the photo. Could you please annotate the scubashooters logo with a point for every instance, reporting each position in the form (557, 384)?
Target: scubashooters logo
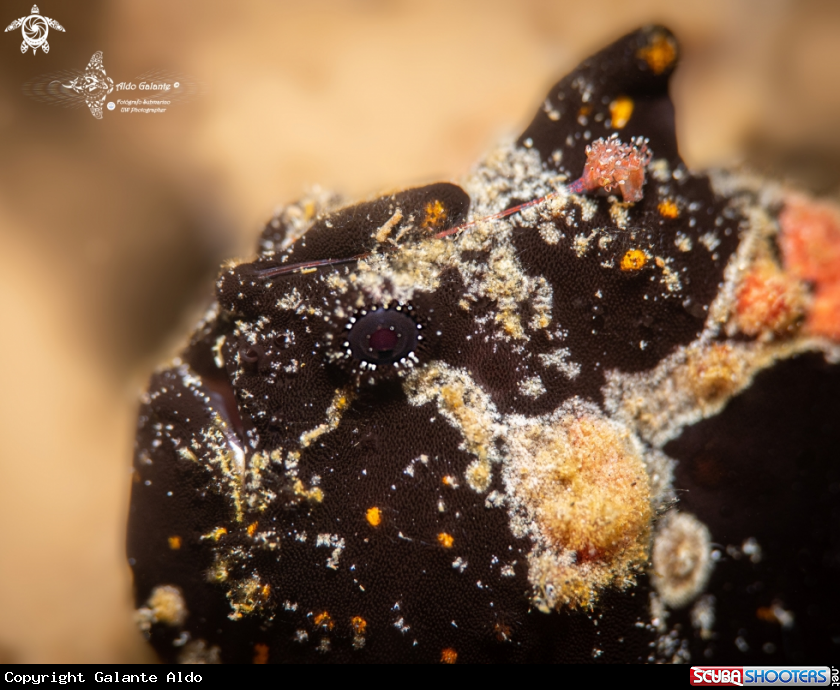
(786, 676)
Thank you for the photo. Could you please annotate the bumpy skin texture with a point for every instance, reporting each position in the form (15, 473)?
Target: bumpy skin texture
(495, 495)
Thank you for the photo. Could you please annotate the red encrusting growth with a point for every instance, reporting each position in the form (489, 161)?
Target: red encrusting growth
(612, 164)
(824, 315)
(810, 242)
(769, 301)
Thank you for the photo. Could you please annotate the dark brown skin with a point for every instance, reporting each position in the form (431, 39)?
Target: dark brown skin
(414, 582)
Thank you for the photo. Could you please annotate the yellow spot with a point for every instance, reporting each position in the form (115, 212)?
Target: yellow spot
(315, 494)
(359, 625)
(435, 214)
(309, 210)
(174, 543)
(324, 620)
(374, 516)
(216, 534)
(659, 54)
(445, 540)
(450, 481)
(633, 260)
(266, 591)
(621, 110)
(252, 529)
(260, 653)
(448, 656)
(304, 271)
(668, 209)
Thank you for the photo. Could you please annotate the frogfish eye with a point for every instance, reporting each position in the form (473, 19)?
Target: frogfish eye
(383, 336)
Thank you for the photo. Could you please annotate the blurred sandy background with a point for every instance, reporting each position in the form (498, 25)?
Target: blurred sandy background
(111, 230)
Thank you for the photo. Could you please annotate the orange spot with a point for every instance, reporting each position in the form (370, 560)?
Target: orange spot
(218, 533)
(766, 613)
(252, 528)
(448, 656)
(633, 260)
(374, 516)
(359, 625)
(135, 477)
(324, 620)
(621, 109)
(174, 543)
(660, 53)
(768, 300)
(266, 591)
(668, 209)
(584, 110)
(450, 481)
(260, 653)
(445, 540)
(435, 214)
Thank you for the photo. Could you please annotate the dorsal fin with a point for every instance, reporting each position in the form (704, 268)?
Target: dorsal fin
(622, 89)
